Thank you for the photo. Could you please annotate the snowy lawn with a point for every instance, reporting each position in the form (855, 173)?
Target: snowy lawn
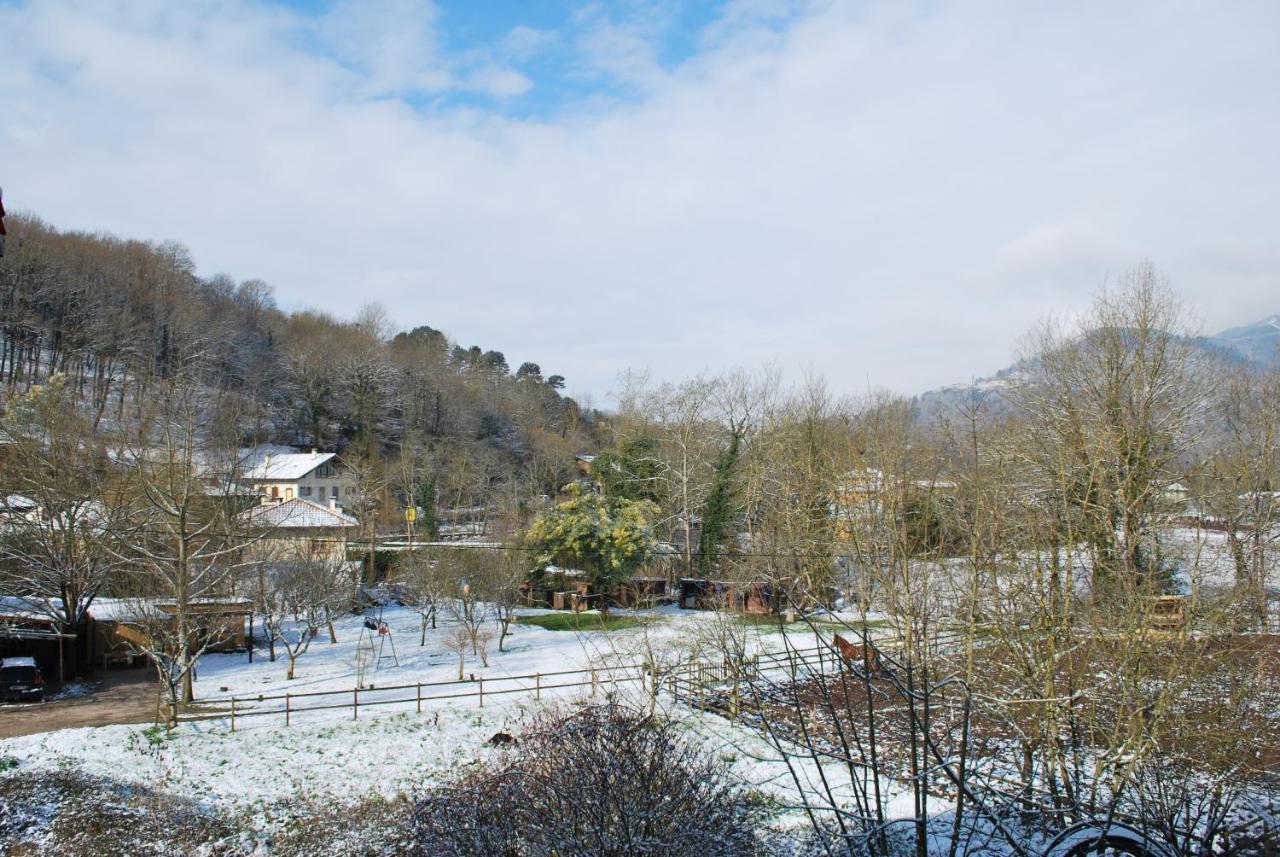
(392, 751)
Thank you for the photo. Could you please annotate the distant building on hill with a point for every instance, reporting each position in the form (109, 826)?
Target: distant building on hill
(280, 473)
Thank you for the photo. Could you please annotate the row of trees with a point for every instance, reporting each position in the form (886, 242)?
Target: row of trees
(1015, 551)
(1113, 430)
(119, 319)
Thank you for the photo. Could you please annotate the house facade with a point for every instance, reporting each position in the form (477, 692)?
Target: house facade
(299, 527)
(281, 473)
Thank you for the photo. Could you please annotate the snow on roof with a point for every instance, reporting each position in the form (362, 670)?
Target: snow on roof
(297, 514)
(19, 607)
(271, 462)
(17, 503)
(117, 609)
(566, 572)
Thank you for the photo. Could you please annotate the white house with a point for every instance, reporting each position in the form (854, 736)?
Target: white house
(280, 473)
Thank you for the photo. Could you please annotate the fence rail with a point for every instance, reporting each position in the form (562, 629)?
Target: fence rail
(686, 682)
(289, 705)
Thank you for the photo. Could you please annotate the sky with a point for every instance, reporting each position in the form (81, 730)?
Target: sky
(889, 194)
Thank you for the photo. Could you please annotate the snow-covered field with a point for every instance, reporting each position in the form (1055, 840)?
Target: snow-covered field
(388, 751)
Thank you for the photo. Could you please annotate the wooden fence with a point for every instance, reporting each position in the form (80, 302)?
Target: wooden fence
(290, 705)
(691, 683)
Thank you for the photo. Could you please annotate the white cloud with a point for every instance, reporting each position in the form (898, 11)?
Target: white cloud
(876, 190)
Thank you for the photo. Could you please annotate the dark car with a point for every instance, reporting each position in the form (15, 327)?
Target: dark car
(20, 680)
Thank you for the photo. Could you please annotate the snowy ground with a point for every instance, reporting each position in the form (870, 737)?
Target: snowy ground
(387, 751)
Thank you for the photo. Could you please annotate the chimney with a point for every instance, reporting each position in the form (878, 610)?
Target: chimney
(333, 503)
(314, 452)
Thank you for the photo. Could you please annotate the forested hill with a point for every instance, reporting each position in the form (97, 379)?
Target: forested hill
(117, 316)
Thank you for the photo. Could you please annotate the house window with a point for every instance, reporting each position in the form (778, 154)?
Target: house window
(275, 492)
(288, 493)
(333, 492)
(304, 491)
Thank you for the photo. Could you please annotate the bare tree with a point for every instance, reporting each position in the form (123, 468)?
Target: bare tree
(1114, 407)
(63, 505)
(502, 580)
(304, 594)
(186, 535)
(457, 640)
(425, 584)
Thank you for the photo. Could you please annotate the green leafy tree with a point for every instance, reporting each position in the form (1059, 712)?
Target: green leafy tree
(721, 507)
(426, 499)
(606, 537)
(631, 471)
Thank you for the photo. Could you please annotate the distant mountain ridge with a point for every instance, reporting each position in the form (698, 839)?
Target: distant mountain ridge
(1257, 344)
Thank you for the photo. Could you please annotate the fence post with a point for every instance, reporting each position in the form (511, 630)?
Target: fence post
(537, 688)
(355, 704)
(481, 691)
(821, 667)
(593, 682)
(286, 709)
(419, 697)
(233, 714)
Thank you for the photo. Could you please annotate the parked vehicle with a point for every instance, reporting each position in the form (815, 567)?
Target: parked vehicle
(20, 680)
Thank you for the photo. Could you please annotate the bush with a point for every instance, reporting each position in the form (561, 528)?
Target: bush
(76, 815)
(603, 780)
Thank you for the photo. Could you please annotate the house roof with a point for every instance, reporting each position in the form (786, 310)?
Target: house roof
(270, 462)
(298, 514)
(17, 503)
(18, 607)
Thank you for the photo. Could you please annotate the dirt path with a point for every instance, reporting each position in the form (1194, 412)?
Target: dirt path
(122, 696)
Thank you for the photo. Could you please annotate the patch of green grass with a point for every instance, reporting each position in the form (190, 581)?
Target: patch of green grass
(156, 735)
(582, 621)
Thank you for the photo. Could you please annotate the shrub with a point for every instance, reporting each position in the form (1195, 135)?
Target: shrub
(603, 780)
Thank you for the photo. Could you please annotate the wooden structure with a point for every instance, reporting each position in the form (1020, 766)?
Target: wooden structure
(117, 634)
(220, 619)
(569, 589)
(698, 593)
(560, 589)
(1166, 613)
(639, 591)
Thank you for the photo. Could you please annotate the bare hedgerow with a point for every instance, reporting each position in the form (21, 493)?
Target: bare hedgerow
(602, 780)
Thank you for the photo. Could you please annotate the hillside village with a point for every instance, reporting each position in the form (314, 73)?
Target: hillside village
(715, 550)
(600, 447)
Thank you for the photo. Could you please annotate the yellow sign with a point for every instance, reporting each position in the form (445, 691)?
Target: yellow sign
(411, 514)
